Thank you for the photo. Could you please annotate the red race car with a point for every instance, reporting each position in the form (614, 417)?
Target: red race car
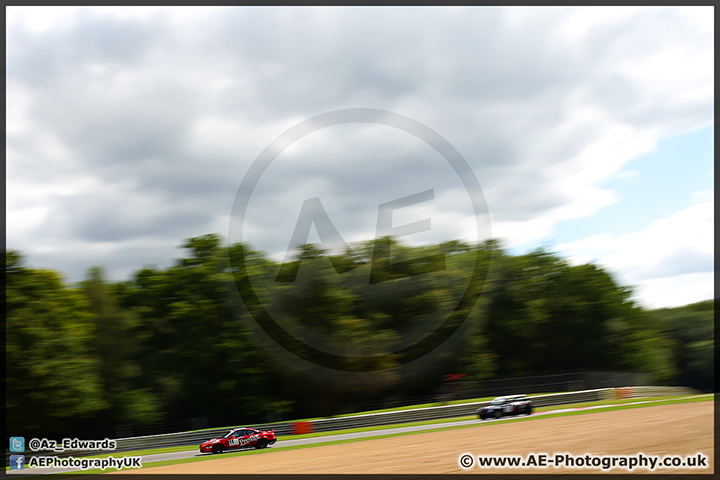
(239, 438)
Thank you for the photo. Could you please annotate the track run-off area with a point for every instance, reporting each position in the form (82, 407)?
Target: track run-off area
(607, 429)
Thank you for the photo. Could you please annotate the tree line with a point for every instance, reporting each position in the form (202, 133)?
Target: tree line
(178, 343)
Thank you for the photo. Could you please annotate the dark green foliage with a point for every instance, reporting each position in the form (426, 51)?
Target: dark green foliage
(179, 343)
(545, 315)
(117, 343)
(53, 378)
(691, 329)
(198, 357)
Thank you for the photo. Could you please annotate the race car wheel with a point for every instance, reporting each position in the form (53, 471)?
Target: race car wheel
(529, 410)
(497, 413)
(261, 444)
(217, 448)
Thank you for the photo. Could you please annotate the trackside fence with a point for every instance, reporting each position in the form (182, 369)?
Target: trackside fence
(195, 438)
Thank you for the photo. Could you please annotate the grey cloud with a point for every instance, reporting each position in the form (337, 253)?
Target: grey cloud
(42, 60)
(118, 218)
(74, 262)
(615, 93)
(493, 92)
(680, 262)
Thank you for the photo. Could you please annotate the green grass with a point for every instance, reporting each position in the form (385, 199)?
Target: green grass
(611, 401)
(630, 404)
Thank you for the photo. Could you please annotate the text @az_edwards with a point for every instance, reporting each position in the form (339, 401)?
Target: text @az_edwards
(568, 460)
(71, 444)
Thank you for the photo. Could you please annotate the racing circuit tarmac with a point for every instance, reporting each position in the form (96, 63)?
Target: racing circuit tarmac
(187, 454)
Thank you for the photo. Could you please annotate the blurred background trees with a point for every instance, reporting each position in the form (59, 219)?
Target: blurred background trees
(175, 343)
(691, 332)
(53, 376)
(545, 315)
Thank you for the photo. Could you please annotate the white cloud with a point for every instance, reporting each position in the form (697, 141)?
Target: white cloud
(42, 19)
(673, 252)
(629, 175)
(224, 137)
(18, 98)
(676, 291)
(514, 234)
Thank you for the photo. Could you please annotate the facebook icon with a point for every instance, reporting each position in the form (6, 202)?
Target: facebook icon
(17, 462)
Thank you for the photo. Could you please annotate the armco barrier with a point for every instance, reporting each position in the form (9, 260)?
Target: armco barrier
(195, 438)
(661, 391)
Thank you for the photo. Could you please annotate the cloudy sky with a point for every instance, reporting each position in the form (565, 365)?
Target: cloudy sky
(589, 130)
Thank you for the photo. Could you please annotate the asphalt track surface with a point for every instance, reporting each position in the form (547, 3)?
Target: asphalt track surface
(194, 453)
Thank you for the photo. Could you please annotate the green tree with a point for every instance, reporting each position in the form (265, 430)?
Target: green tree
(183, 341)
(117, 345)
(691, 330)
(52, 378)
(545, 315)
(198, 352)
